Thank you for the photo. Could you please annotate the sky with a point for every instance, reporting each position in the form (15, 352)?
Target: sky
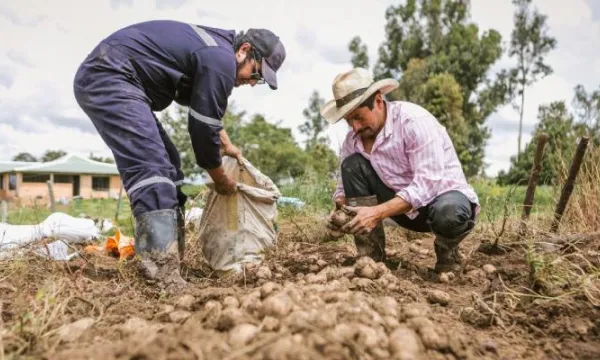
(43, 43)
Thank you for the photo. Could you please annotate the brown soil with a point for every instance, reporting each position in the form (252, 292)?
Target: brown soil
(302, 303)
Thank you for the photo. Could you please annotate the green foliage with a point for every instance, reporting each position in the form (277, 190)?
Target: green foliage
(587, 110)
(529, 44)
(101, 159)
(492, 197)
(554, 120)
(269, 147)
(51, 155)
(321, 160)
(439, 33)
(314, 190)
(315, 125)
(440, 94)
(24, 156)
(360, 58)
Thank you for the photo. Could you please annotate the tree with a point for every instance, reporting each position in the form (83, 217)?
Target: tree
(360, 58)
(315, 125)
(529, 43)
(51, 155)
(269, 147)
(24, 156)
(554, 120)
(101, 159)
(321, 159)
(439, 33)
(440, 94)
(587, 109)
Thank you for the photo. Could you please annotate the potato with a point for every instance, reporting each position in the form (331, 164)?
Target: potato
(242, 334)
(264, 273)
(316, 279)
(339, 218)
(277, 305)
(489, 268)
(438, 297)
(268, 288)
(431, 338)
(231, 302)
(269, 323)
(386, 306)
(405, 344)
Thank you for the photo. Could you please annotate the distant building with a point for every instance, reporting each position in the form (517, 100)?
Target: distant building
(72, 175)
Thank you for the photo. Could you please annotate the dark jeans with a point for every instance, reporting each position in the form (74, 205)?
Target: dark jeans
(449, 215)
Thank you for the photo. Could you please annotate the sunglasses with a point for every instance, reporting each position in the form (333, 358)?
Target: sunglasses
(256, 75)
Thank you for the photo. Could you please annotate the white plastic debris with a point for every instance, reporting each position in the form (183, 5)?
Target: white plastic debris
(193, 216)
(58, 226)
(57, 250)
(290, 201)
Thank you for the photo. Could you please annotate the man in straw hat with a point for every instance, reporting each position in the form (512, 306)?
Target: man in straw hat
(398, 162)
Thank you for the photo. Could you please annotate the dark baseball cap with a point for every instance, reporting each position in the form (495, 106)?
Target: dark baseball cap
(272, 51)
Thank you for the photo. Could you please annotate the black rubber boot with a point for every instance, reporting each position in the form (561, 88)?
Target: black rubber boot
(157, 246)
(447, 251)
(373, 243)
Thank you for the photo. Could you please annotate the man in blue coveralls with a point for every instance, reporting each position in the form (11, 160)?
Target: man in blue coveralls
(144, 68)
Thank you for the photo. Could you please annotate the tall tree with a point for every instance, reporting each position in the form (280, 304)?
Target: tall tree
(269, 147)
(51, 155)
(315, 125)
(360, 58)
(321, 159)
(587, 109)
(530, 42)
(24, 156)
(439, 33)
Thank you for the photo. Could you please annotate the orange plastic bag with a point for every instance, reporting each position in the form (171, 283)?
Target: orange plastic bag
(119, 246)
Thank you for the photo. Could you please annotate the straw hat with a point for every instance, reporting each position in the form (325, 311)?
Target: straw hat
(350, 89)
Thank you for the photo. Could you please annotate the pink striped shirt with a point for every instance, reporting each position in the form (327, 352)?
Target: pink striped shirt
(413, 155)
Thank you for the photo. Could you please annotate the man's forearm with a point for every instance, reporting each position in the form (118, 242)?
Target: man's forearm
(393, 207)
(224, 138)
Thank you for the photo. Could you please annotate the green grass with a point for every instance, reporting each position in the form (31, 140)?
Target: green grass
(492, 198)
(315, 193)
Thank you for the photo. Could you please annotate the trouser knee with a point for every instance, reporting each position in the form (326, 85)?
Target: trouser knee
(450, 216)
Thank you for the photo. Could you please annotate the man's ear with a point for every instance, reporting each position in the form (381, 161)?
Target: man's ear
(242, 53)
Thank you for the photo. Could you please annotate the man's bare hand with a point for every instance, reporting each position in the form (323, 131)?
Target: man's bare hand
(365, 220)
(224, 185)
(233, 151)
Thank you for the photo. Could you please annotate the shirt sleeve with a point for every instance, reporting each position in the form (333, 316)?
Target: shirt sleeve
(344, 153)
(425, 151)
(212, 86)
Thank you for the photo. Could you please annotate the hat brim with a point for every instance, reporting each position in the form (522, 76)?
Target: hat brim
(333, 114)
(269, 74)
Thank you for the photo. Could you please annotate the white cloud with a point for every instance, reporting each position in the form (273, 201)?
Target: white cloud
(37, 106)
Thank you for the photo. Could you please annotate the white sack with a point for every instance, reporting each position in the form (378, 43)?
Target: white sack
(237, 229)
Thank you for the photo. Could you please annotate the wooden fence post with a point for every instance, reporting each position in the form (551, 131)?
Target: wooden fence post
(533, 180)
(51, 195)
(119, 203)
(4, 211)
(568, 188)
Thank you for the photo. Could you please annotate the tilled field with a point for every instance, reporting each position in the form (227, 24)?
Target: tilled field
(306, 301)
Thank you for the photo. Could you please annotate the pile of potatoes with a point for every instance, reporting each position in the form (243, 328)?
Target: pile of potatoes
(335, 313)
